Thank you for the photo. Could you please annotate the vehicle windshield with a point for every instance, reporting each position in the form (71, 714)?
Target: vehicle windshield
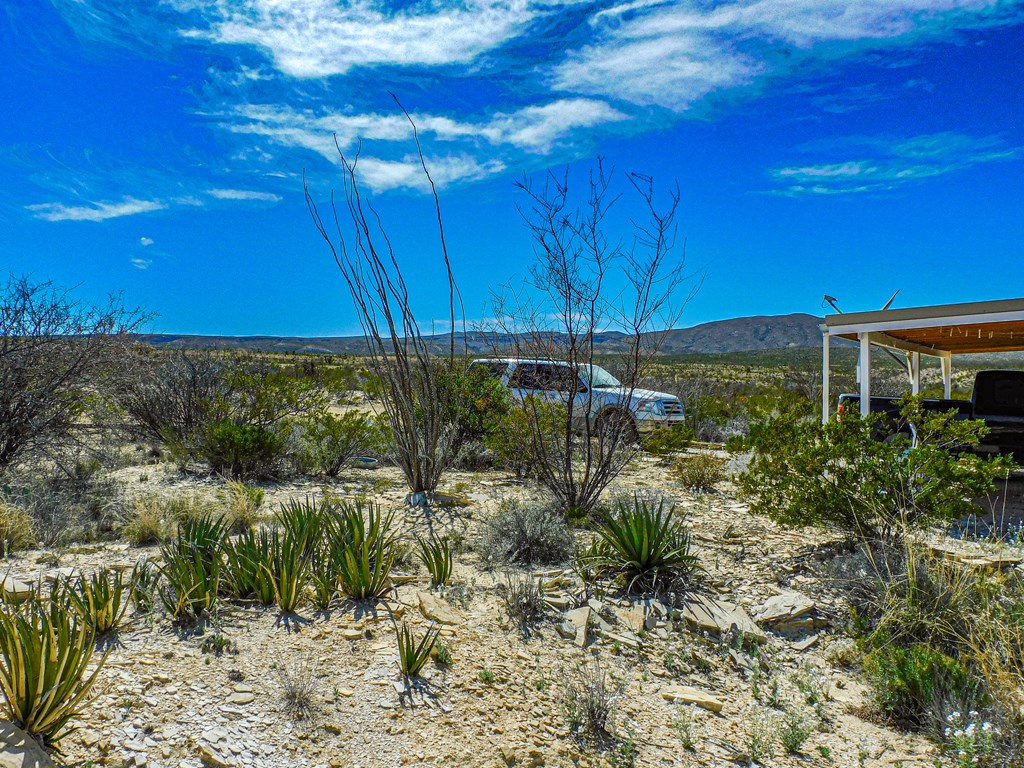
(598, 378)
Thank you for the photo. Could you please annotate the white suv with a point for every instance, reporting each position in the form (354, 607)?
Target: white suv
(596, 393)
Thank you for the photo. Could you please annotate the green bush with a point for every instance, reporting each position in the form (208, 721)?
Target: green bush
(249, 451)
(247, 562)
(329, 441)
(839, 475)
(910, 684)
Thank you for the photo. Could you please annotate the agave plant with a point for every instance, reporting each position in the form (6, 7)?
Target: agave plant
(247, 562)
(304, 520)
(288, 569)
(647, 544)
(145, 581)
(413, 655)
(192, 568)
(45, 677)
(436, 556)
(364, 550)
(100, 600)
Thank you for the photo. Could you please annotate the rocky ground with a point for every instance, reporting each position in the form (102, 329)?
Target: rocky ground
(716, 682)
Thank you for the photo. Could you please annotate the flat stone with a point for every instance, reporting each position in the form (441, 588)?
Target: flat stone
(580, 618)
(783, 608)
(566, 629)
(806, 643)
(16, 590)
(684, 694)
(437, 610)
(241, 697)
(19, 750)
(634, 619)
(214, 758)
(707, 613)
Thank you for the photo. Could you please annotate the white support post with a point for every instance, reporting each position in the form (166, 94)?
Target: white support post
(915, 372)
(947, 375)
(825, 375)
(865, 373)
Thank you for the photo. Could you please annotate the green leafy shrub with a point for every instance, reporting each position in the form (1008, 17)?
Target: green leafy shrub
(527, 534)
(644, 543)
(908, 683)
(243, 450)
(664, 442)
(329, 442)
(839, 475)
(413, 655)
(46, 651)
(699, 472)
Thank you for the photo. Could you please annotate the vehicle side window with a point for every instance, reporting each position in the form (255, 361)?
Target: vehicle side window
(526, 376)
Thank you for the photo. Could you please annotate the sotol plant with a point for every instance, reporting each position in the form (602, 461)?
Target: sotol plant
(46, 651)
(413, 654)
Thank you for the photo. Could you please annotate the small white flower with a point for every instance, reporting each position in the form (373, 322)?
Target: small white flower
(970, 729)
(986, 726)
(953, 716)
(973, 713)
(948, 730)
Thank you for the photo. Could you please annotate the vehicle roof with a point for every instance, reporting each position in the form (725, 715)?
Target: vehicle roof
(535, 361)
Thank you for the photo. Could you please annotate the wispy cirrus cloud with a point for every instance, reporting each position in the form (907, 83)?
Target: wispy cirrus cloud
(674, 54)
(883, 164)
(245, 194)
(129, 206)
(140, 263)
(145, 242)
(320, 38)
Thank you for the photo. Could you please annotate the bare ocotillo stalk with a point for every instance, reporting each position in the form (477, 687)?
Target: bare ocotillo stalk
(404, 360)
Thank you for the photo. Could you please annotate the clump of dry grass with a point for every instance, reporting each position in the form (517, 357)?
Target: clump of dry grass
(699, 472)
(17, 531)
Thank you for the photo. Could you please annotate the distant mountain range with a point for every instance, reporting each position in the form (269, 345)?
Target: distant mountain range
(741, 334)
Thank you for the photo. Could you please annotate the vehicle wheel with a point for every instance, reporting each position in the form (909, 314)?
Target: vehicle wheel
(618, 425)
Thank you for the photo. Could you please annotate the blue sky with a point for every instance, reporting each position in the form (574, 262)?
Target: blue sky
(820, 146)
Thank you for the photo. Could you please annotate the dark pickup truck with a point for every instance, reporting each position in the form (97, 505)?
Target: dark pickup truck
(997, 399)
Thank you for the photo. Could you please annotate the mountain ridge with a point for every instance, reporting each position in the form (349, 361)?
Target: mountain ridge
(742, 334)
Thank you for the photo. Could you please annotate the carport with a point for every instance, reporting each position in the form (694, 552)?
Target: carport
(940, 331)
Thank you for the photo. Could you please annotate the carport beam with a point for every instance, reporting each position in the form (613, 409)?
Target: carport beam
(825, 374)
(865, 373)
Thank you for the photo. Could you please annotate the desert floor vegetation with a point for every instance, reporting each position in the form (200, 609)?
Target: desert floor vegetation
(272, 643)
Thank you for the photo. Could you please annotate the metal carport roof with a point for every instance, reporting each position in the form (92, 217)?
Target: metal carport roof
(940, 331)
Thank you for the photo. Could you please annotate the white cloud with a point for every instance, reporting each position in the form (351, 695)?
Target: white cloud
(536, 129)
(887, 163)
(146, 241)
(142, 263)
(319, 38)
(407, 173)
(673, 54)
(244, 194)
(94, 211)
